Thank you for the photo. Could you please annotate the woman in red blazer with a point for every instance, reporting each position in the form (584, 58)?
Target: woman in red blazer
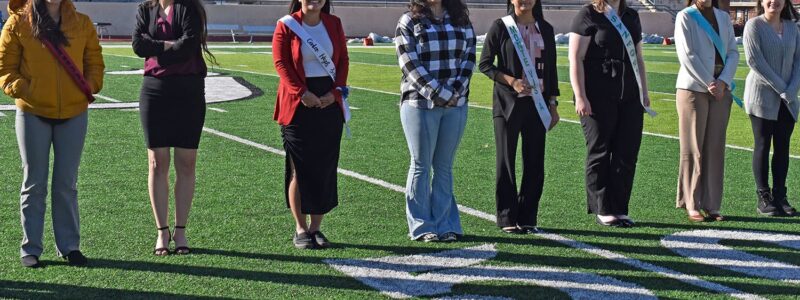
(309, 109)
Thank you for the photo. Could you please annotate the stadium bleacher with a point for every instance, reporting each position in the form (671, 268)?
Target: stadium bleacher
(652, 5)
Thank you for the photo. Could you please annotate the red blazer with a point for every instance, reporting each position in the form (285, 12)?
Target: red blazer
(286, 47)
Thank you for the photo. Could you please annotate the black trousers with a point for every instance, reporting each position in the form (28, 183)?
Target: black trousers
(519, 208)
(779, 133)
(613, 136)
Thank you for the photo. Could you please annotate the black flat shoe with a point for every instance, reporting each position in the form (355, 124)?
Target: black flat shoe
(163, 251)
(182, 250)
(626, 223)
(303, 240)
(528, 229)
(320, 239)
(76, 258)
(614, 223)
(30, 261)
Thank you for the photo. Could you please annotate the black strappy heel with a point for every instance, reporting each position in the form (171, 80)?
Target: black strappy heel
(182, 250)
(163, 251)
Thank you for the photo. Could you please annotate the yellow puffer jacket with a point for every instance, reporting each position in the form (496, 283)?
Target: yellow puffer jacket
(30, 73)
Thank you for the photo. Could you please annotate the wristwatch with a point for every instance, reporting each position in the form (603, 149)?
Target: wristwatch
(554, 103)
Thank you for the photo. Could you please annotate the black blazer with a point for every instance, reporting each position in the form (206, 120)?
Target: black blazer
(186, 25)
(498, 44)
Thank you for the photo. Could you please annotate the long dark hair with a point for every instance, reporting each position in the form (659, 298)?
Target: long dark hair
(787, 13)
(537, 10)
(459, 14)
(714, 3)
(295, 5)
(601, 3)
(201, 11)
(43, 26)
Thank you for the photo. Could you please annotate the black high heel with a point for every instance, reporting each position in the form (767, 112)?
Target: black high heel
(163, 251)
(182, 250)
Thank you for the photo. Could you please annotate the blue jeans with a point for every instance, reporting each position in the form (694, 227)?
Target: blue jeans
(433, 136)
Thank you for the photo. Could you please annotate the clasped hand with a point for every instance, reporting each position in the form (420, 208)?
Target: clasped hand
(312, 101)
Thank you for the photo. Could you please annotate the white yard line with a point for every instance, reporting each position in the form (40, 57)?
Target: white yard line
(217, 109)
(2, 114)
(689, 279)
(672, 137)
(109, 99)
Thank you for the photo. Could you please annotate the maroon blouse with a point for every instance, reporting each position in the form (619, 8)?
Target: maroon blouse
(193, 66)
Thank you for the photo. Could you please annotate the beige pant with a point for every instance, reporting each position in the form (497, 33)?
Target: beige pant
(703, 122)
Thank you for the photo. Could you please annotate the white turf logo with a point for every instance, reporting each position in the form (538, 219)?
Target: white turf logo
(392, 276)
(703, 246)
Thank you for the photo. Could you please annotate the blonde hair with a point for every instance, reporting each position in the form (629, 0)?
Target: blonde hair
(601, 4)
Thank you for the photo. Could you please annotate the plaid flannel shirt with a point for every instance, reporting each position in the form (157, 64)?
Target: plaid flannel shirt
(437, 60)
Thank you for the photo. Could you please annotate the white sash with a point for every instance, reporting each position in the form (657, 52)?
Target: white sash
(630, 48)
(324, 58)
(528, 64)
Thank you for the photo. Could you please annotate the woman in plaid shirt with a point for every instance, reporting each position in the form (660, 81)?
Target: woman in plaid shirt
(436, 51)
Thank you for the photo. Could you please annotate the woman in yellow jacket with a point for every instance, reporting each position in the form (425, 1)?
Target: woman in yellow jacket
(51, 63)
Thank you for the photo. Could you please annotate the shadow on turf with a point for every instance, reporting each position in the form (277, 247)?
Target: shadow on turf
(259, 256)
(310, 280)
(38, 290)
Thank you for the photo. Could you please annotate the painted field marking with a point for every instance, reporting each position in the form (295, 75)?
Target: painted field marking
(233, 91)
(703, 246)
(109, 99)
(218, 109)
(686, 278)
(395, 66)
(646, 62)
(353, 107)
(394, 275)
(483, 107)
(2, 114)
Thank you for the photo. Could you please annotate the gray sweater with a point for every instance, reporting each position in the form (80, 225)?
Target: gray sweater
(774, 68)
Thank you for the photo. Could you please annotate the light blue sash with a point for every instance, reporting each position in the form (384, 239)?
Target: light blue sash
(716, 40)
(528, 63)
(630, 49)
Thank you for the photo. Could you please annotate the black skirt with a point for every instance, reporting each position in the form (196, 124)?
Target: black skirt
(311, 142)
(173, 110)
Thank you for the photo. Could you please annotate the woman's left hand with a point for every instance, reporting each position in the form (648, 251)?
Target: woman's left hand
(555, 117)
(646, 100)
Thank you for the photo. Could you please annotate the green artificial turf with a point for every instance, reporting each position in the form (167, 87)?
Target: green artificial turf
(241, 229)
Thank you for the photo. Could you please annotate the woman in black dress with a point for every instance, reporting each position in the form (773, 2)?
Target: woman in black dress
(515, 112)
(608, 100)
(171, 36)
(310, 108)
